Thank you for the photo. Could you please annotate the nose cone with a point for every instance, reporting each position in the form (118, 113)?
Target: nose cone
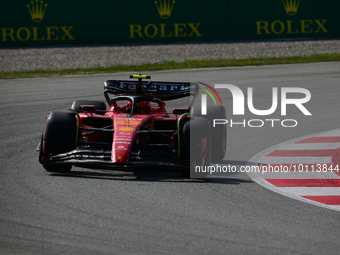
(122, 143)
(125, 131)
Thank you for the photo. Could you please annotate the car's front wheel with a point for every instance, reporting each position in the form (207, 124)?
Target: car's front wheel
(218, 133)
(60, 137)
(196, 146)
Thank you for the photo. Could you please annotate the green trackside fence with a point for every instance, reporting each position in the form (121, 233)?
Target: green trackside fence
(51, 22)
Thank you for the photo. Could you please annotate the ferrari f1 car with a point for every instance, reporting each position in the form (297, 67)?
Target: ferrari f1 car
(135, 131)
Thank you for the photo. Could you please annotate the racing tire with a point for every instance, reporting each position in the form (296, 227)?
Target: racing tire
(100, 106)
(218, 133)
(195, 133)
(60, 137)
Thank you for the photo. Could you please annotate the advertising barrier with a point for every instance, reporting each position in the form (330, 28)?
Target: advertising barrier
(48, 22)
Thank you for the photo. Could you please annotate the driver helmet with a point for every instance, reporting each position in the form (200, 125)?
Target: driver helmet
(142, 106)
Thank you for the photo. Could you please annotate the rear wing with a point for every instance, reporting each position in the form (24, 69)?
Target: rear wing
(162, 90)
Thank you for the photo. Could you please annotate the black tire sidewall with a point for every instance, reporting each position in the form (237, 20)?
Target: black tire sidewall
(193, 132)
(218, 133)
(60, 135)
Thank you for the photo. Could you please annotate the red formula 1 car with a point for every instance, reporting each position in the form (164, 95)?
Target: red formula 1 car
(136, 130)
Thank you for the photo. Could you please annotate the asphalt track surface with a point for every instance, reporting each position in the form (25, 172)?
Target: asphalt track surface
(158, 212)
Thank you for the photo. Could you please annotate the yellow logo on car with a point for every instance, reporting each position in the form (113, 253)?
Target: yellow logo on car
(128, 122)
(125, 128)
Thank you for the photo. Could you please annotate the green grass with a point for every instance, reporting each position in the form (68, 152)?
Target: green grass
(171, 65)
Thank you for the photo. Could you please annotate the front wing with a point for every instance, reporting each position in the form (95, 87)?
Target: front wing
(100, 158)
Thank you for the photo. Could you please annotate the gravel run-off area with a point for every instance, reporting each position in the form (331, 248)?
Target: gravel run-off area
(71, 57)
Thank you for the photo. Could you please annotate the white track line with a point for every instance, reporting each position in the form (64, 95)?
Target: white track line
(310, 146)
(299, 191)
(331, 133)
(296, 160)
(294, 175)
(312, 191)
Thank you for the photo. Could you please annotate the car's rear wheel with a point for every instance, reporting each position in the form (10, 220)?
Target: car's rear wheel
(100, 106)
(218, 133)
(195, 146)
(60, 137)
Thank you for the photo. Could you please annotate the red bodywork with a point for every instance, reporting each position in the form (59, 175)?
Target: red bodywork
(126, 127)
(135, 130)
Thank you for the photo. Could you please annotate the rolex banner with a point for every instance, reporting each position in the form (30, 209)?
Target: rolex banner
(50, 22)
